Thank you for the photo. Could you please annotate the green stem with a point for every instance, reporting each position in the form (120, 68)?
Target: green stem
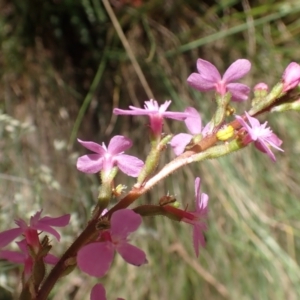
(88, 99)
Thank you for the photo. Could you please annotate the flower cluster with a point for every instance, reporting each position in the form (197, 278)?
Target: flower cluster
(30, 246)
(108, 230)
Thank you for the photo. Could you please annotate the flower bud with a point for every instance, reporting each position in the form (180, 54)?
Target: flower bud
(291, 76)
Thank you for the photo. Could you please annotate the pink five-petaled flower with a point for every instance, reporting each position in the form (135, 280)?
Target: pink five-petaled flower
(262, 136)
(98, 293)
(106, 158)
(155, 112)
(96, 258)
(24, 258)
(291, 76)
(193, 123)
(30, 232)
(201, 201)
(209, 79)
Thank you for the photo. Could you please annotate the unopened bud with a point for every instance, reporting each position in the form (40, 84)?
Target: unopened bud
(291, 76)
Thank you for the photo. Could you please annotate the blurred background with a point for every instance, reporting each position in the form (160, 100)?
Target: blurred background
(65, 64)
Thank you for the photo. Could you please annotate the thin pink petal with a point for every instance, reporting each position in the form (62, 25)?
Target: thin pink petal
(253, 121)
(118, 144)
(179, 142)
(208, 71)
(239, 91)
(9, 235)
(180, 116)
(164, 107)
(202, 204)
(61, 221)
(243, 123)
(197, 82)
(13, 256)
(91, 163)
(123, 222)
(198, 238)
(135, 111)
(93, 147)
(193, 121)
(95, 258)
(261, 146)
(48, 229)
(129, 165)
(275, 142)
(197, 187)
(98, 292)
(46, 223)
(132, 254)
(51, 259)
(237, 70)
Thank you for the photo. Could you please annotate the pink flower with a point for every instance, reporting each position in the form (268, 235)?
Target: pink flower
(209, 79)
(291, 76)
(98, 292)
(201, 201)
(156, 114)
(95, 258)
(31, 231)
(106, 158)
(193, 123)
(263, 136)
(24, 257)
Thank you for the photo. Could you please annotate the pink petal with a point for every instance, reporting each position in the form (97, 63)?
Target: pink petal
(93, 147)
(135, 111)
(180, 116)
(132, 254)
(179, 142)
(129, 165)
(275, 142)
(45, 224)
(13, 256)
(35, 218)
(98, 292)
(49, 229)
(261, 146)
(9, 235)
(118, 144)
(95, 258)
(202, 204)
(198, 238)
(193, 121)
(61, 221)
(253, 121)
(237, 70)
(208, 71)
(51, 259)
(164, 106)
(243, 123)
(91, 163)
(197, 187)
(238, 91)
(123, 222)
(197, 82)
